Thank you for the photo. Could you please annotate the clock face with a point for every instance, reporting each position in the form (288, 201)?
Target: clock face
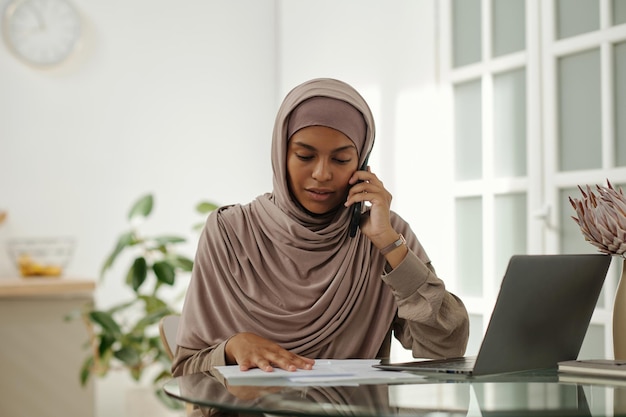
(41, 32)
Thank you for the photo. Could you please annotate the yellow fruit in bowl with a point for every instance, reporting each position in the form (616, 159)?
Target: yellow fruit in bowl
(30, 268)
(52, 270)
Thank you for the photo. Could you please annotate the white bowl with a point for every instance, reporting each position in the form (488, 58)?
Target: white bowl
(38, 257)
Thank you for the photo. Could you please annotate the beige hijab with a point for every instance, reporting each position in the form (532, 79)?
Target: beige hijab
(273, 269)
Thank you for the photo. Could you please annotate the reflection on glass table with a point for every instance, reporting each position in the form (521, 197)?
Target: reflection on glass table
(522, 394)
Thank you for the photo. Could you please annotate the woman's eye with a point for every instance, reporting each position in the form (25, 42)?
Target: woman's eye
(342, 161)
(304, 157)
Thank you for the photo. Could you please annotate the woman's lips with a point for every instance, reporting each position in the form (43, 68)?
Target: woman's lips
(319, 195)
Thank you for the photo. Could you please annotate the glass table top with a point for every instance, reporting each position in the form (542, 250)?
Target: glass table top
(540, 393)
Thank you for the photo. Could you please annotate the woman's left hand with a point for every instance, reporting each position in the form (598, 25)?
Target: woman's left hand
(376, 222)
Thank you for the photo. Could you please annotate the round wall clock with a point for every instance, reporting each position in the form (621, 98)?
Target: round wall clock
(41, 32)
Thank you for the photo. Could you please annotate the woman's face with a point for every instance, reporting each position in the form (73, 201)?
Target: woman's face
(320, 161)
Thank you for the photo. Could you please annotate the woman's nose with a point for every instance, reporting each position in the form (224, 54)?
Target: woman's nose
(322, 171)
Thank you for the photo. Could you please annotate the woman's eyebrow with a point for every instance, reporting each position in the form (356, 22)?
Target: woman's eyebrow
(313, 148)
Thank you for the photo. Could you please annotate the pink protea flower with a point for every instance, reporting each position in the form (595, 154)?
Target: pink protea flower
(602, 218)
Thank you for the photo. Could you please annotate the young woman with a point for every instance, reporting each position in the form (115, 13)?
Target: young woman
(280, 281)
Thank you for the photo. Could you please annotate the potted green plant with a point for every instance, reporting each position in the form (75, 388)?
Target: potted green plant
(125, 335)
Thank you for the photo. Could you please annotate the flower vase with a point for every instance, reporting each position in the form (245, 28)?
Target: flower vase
(619, 316)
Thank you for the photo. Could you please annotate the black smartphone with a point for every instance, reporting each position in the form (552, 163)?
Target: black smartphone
(355, 219)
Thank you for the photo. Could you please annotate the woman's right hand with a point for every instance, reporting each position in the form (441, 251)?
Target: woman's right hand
(249, 350)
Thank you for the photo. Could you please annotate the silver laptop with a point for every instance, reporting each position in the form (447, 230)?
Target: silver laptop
(540, 318)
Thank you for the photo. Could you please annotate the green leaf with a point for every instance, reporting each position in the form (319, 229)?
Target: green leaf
(205, 207)
(164, 272)
(120, 307)
(153, 303)
(106, 342)
(136, 373)
(148, 320)
(129, 356)
(182, 262)
(155, 342)
(165, 240)
(138, 273)
(125, 240)
(106, 321)
(142, 207)
(105, 362)
(134, 339)
(162, 376)
(85, 371)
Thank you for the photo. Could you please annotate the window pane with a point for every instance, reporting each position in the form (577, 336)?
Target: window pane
(580, 140)
(510, 230)
(475, 335)
(620, 103)
(619, 12)
(509, 109)
(469, 245)
(572, 239)
(466, 29)
(593, 344)
(509, 23)
(574, 17)
(468, 134)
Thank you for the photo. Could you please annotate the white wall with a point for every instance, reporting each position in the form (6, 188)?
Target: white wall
(179, 99)
(161, 98)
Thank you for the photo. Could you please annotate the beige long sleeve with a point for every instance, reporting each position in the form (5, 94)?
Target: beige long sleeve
(190, 361)
(431, 322)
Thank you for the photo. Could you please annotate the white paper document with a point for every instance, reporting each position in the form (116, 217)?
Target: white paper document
(325, 372)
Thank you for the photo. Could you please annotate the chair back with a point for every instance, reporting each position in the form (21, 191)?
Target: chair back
(168, 326)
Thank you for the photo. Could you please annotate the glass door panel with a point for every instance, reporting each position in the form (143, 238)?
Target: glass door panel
(476, 334)
(469, 243)
(509, 117)
(579, 101)
(468, 134)
(509, 23)
(510, 231)
(571, 238)
(620, 103)
(593, 345)
(619, 12)
(466, 32)
(575, 17)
